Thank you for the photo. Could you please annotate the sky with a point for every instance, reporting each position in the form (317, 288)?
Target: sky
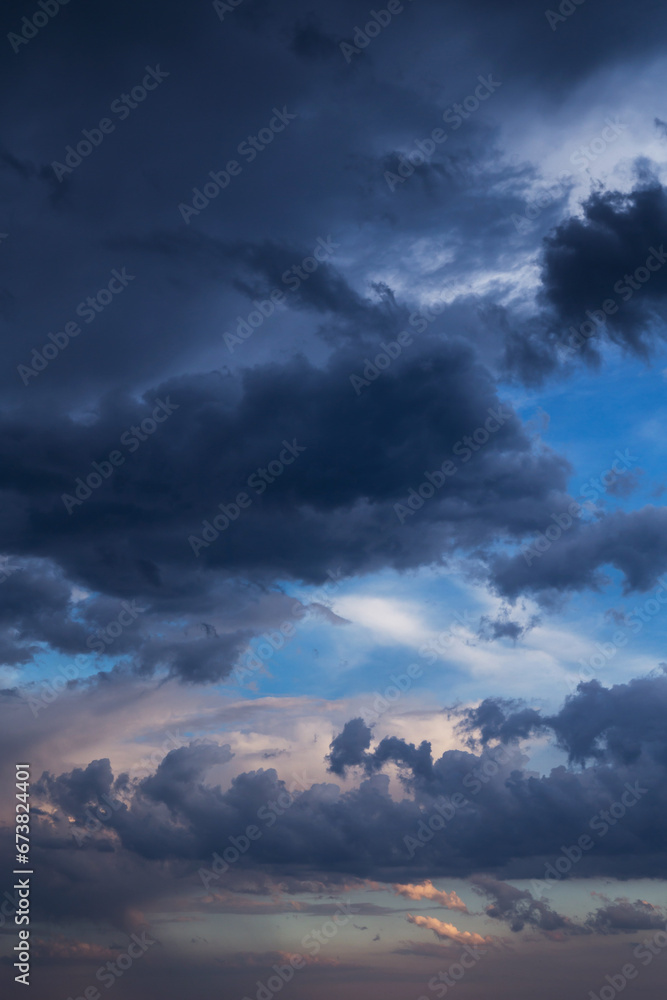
(333, 546)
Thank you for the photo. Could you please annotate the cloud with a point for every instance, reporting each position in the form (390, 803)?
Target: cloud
(500, 719)
(336, 499)
(426, 890)
(448, 932)
(621, 724)
(348, 748)
(621, 916)
(588, 259)
(509, 819)
(518, 908)
(632, 542)
(444, 234)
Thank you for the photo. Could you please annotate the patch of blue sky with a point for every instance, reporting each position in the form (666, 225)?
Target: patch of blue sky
(594, 414)
(47, 664)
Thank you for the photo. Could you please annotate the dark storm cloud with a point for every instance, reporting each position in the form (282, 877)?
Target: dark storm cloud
(183, 766)
(593, 259)
(518, 907)
(348, 461)
(198, 661)
(40, 608)
(319, 178)
(311, 42)
(620, 915)
(349, 117)
(502, 630)
(73, 791)
(497, 812)
(622, 724)
(324, 175)
(128, 541)
(634, 542)
(348, 748)
(603, 280)
(495, 719)
(564, 49)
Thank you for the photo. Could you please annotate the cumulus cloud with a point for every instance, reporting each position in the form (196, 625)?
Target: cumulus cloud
(501, 816)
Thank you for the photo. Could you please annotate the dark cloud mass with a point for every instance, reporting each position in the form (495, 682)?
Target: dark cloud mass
(351, 460)
(364, 453)
(592, 259)
(314, 318)
(506, 818)
(632, 542)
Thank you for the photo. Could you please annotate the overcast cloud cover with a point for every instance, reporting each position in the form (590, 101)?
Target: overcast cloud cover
(332, 462)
